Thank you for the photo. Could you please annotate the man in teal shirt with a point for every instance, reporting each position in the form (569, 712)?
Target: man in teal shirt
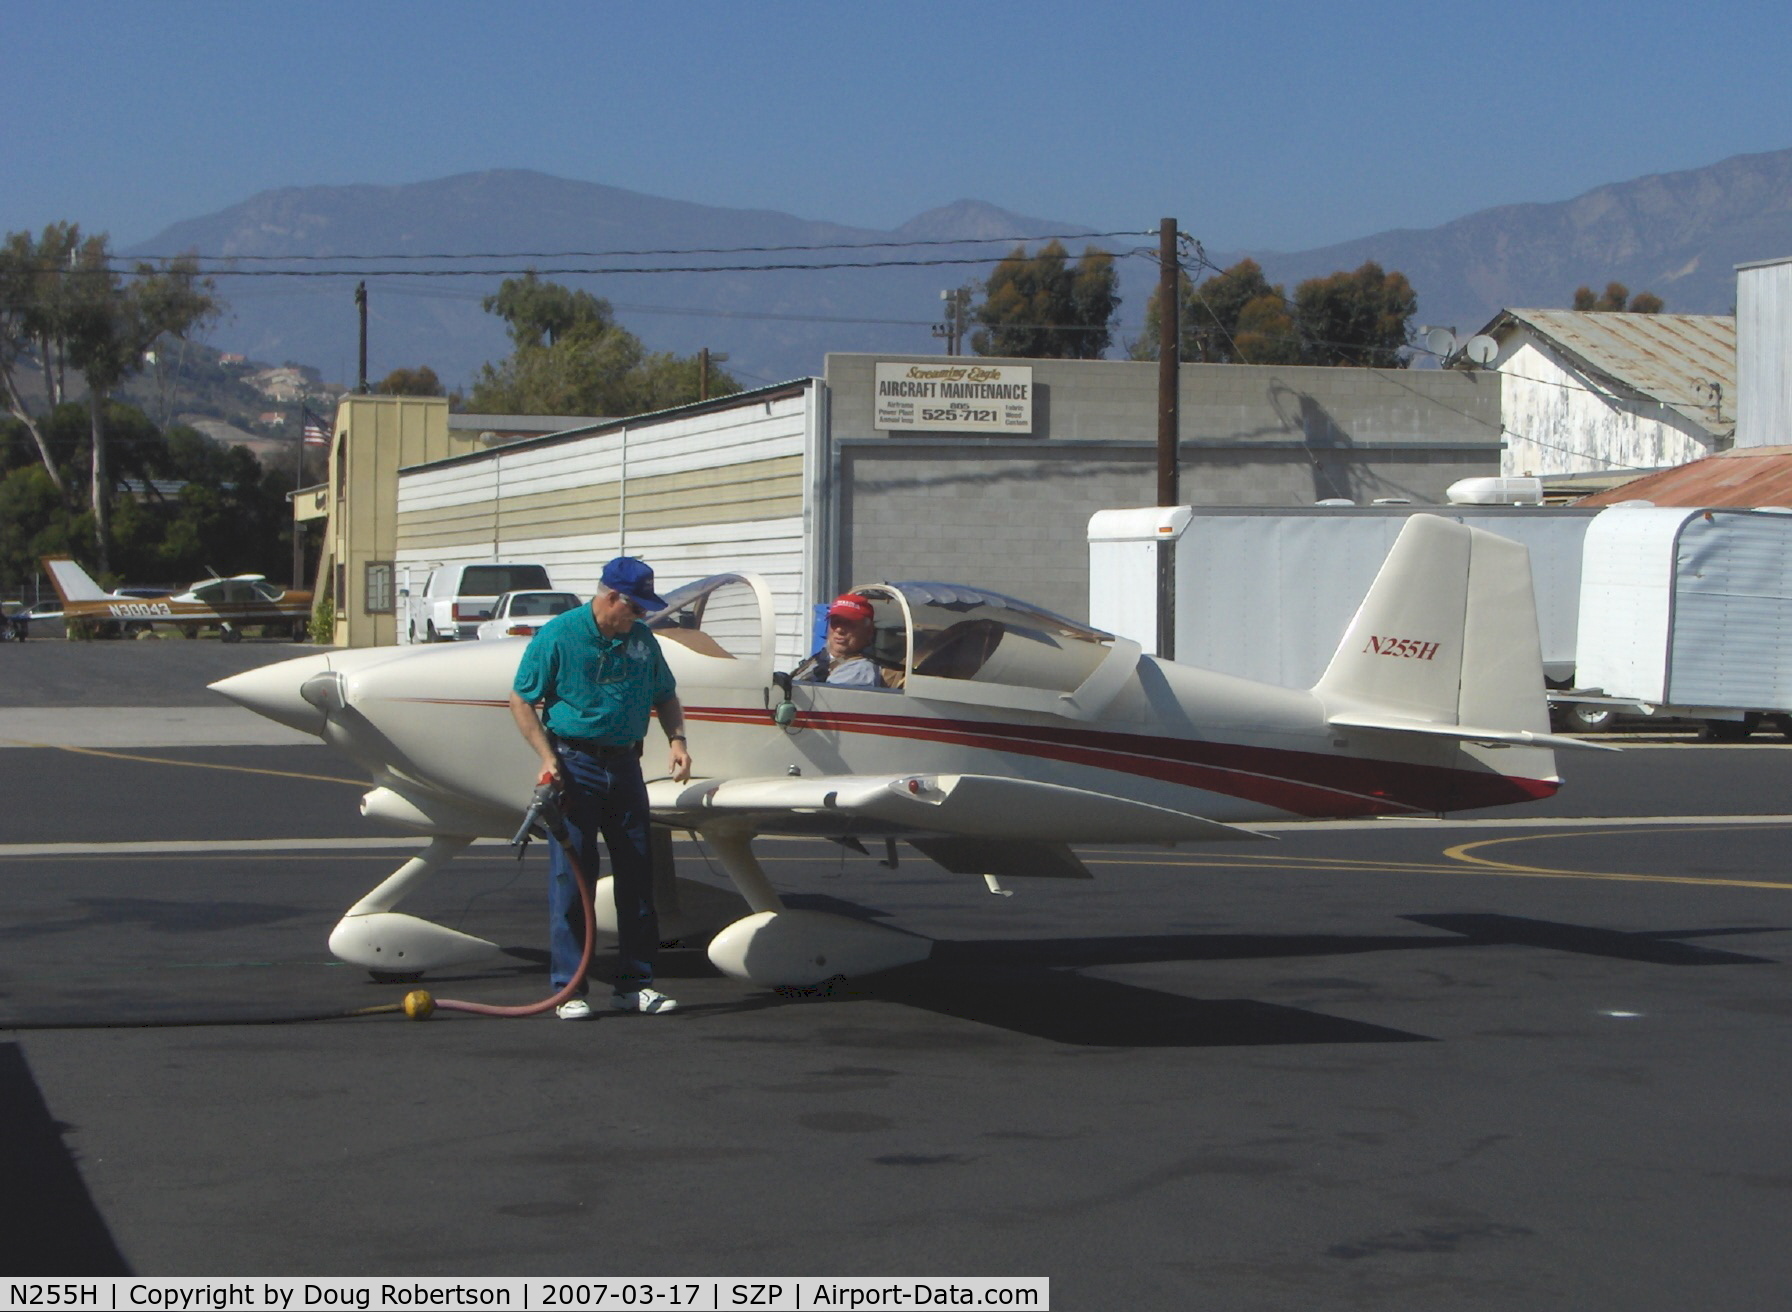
(598, 675)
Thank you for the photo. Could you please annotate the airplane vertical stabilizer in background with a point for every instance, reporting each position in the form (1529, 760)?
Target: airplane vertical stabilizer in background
(72, 582)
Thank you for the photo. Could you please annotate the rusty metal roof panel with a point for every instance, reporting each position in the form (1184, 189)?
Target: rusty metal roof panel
(1685, 361)
(1750, 477)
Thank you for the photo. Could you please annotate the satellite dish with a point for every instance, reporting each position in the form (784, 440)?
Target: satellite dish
(1481, 349)
(1441, 342)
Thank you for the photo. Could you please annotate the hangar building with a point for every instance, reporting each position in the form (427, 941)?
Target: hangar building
(969, 469)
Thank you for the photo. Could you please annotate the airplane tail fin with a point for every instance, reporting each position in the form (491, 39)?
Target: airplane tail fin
(71, 582)
(1445, 643)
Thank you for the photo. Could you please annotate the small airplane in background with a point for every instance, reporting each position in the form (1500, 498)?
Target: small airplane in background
(228, 603)
(1016, 734)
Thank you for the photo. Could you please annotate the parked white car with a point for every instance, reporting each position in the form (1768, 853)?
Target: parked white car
(519, 614)
(452, 601)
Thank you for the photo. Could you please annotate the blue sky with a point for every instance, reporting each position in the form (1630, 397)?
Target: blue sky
(1263, 125)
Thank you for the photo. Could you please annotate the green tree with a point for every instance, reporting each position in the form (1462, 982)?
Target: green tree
(33, 318)
(1039, 307)
(1235, 317)
(1617, 299)
(572, 358)
(421, 381)
(110, 323)
(542, 313)
(1361, 318)
(35, 521)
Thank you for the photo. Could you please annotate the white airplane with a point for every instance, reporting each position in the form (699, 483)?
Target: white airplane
(1016, 734)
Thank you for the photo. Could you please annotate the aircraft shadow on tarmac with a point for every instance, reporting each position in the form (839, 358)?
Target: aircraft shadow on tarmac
(49, 1225)
(1034, 986)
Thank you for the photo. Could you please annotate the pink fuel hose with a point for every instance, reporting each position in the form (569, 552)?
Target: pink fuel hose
(418, 1004)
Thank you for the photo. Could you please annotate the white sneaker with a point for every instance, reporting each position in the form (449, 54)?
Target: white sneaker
(574, 1009)
(650, 1002)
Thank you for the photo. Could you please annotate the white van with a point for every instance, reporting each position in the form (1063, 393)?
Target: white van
(455, 599)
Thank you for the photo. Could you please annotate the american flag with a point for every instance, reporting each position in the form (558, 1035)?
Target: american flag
(317, 431)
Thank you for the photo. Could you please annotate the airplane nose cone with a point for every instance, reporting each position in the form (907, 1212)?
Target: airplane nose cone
(276, 692)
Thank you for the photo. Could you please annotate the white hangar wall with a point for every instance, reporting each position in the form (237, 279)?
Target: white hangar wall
(702, 490)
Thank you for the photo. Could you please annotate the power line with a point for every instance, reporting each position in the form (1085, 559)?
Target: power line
(585, 271)
(670, 250)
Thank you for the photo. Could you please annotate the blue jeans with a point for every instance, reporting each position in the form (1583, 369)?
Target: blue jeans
(603, 794)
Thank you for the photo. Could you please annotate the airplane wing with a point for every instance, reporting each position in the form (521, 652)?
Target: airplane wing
(951, 805)
(1467, 733)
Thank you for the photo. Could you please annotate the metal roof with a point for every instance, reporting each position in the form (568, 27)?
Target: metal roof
(1686, 362)
(1747, 477)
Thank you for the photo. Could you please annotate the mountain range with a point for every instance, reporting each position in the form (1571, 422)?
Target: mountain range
(430, 252)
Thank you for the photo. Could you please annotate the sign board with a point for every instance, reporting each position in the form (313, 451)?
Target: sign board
(955, 398)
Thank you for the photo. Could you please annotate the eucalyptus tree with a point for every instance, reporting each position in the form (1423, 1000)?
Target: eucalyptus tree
(1237, 316)
(573, 358)
(109, 322)
(32, 323)
(1040, 307)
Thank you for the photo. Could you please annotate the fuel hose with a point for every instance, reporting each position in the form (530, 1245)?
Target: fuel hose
(544, 810)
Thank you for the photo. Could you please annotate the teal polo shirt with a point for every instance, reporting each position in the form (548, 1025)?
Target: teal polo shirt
(594, 688)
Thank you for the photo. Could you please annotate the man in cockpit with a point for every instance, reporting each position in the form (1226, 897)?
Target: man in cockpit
(844, 659)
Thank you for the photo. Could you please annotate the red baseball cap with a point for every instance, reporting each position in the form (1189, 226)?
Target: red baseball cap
(852, 606)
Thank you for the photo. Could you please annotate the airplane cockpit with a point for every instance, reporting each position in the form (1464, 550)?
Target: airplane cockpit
(237, 591)
(947, 641)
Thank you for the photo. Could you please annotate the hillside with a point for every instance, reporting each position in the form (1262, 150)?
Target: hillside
(773, 325)
(1677, 234)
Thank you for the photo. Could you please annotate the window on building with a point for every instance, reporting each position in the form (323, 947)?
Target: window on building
(380, 596)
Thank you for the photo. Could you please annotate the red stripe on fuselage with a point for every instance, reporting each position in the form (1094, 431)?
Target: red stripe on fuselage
(1300, 783)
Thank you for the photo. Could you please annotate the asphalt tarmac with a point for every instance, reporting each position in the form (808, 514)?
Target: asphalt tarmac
(1533, 1060)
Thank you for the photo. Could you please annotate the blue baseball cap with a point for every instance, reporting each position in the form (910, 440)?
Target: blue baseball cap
(633, 578)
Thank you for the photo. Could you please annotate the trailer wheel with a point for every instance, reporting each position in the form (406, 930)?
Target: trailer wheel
(1581, 717)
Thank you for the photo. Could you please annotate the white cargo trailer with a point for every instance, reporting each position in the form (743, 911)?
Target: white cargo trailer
(1265, 593)
(1688, 613)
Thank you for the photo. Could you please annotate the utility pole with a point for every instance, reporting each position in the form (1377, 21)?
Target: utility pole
(1169, 426)
(958, 304)
(1169, 353)
(703, 360)
(361, 305)
(298, 481)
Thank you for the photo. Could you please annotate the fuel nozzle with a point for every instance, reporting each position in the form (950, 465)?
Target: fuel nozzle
(543, 813)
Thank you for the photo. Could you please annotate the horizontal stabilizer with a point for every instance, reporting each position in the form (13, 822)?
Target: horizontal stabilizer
(961, 804)
(1467, 733)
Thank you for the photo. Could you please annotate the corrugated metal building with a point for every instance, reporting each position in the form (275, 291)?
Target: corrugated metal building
(1764, 353)
(1590, 392)
(728, 484)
